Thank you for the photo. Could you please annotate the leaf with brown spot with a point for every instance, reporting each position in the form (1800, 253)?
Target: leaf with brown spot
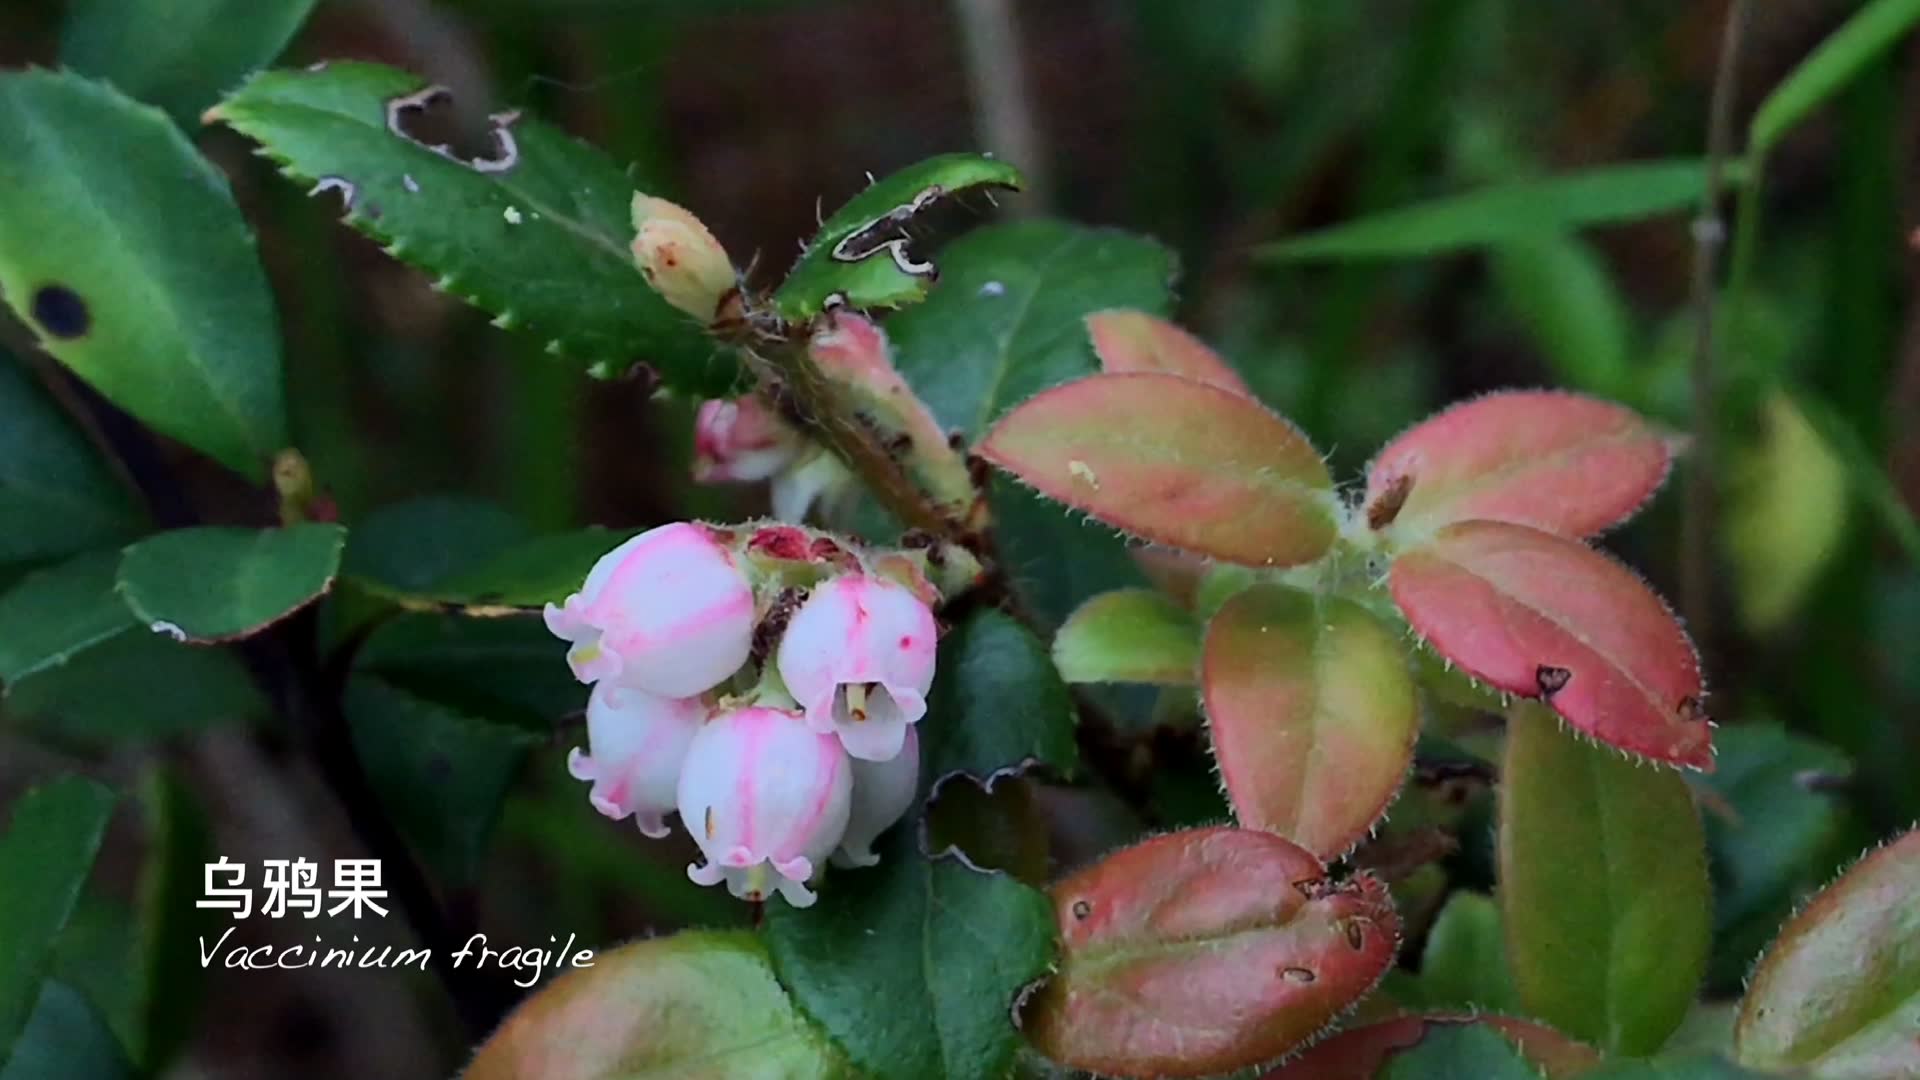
(1542, 616)
(1560, 462)
(1205, 951)
(1313, 714)
(1136, 341)
(1175, 461)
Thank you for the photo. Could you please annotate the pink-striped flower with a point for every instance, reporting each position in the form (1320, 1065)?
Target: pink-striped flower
(669, 612)
(767, 800)
(637, 742)
(742, 441)
(858, 657)
(882, 792)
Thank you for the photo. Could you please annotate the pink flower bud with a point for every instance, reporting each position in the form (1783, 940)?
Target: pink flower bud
(679, 257)
(638, 741)
(766, 798)
(882, 791)
(858, 657)
(741, 441)
(669, 612)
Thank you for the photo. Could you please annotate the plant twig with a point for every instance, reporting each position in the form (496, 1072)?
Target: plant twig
(1709, 235)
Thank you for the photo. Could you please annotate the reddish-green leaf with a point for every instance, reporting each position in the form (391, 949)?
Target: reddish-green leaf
(1313, 714)
(1363, 1053)
(1179, 462)
(1135, 341)
(1838, 994)
(1603, 887)
(1543, 616)
(1205, 951)
(1560, 462)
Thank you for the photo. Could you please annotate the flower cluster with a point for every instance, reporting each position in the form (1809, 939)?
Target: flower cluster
(763, 683)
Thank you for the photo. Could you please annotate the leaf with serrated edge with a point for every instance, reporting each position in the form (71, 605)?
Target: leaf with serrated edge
(1838, 993)
(861, 254)
(696, 1004)
(1603, 887)
(1128, 635)
(218, 583)
(1312, 712)
(1174, 461)
(1562, 463)
(166, 310)
(538, 235)
(1361, 1053)
(1138, 341)
(1543, 616)
(1206, 951)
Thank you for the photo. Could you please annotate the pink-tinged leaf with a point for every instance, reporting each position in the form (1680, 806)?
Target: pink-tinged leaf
(1542, 616)
(1134, 341)
(1362, 1053)
(1313, 714)
(1174, 461)
(1838, 994)
(1206, 951)
(1559, 462)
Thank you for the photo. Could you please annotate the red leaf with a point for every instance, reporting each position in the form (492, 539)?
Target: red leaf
(1361, 1053)
(1134, 341)
(1206, 951)
(1313, 714)
(1559, 462)
(1543, 616)
(1175, 461)
(1838, 994)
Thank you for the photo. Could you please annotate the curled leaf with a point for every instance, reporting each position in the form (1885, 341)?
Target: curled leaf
(1364, 1053)
(1563, 463)
(1135, 341)
(1175, 461)
(1838, 994)
(1543, 616)
(1205, 951)
(1313, 714)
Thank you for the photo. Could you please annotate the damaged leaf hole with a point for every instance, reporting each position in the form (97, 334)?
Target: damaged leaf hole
(895, 231)
(60, 312)
(428, 119)
(1551, 680)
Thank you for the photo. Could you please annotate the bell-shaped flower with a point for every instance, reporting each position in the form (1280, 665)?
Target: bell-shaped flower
(680, 258)
(858, 657)
(636, 743)
(669, 612)
(742, 441)
(767, 799)
(882, 791)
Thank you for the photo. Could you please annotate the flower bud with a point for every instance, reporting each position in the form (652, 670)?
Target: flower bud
(882, 791)
(638, 741)
(680, 258)
(767, 799)
(858, 657)
(742, 441)
(669, 612)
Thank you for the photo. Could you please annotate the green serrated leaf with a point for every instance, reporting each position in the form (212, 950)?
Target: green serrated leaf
(46, 855)
(697, 1004)
(913, 966)
(538, 234)
(121, 247)
(985, 663)
(1129, 635)
(217, 583)
(1008, 320)
(442, 775)
(1603, 887)
(180, 55)
(56, 496)
(53, 615)
(1609, 195)
(1863, 38)
(860, 254)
